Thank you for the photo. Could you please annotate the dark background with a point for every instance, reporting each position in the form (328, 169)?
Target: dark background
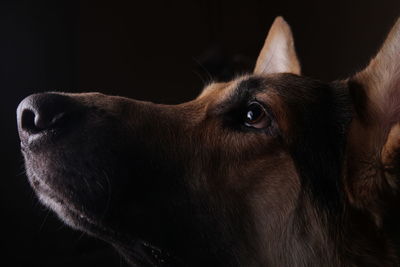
(154, 51)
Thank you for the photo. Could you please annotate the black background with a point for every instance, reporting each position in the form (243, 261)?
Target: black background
(153, 51)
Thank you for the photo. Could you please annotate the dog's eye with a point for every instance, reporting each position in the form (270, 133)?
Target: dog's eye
(255, 116)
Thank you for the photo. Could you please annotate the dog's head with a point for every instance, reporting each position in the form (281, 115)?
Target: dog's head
(269, 168)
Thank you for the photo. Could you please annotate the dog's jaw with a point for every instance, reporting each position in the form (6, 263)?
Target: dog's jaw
(64, 209)
(136, 251)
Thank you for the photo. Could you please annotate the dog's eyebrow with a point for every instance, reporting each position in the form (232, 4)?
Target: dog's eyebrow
(246, 88)
(251, 83)
(241, 92)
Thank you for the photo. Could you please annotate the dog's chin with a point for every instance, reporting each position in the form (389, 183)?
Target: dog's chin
(137, 252)
(65, 210)
(69, 216)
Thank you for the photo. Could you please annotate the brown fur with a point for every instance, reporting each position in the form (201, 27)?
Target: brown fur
(195, 185)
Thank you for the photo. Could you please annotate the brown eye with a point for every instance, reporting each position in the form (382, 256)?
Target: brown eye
(255, 116)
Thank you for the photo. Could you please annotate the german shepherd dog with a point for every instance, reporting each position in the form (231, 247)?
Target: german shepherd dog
(269, 169)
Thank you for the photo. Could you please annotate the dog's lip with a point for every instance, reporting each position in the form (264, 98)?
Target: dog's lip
(43, 189)
(22, 145)
(31, 140)
(36, 140)
(145, 254)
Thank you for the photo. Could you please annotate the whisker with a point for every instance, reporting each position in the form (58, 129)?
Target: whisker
(44, 220)
(209, 77)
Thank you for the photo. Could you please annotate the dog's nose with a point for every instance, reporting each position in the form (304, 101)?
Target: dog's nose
(40, 112)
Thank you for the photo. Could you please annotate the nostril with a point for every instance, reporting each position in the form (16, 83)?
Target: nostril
(34, 122)
(43, 122)
(28, 121)
(40, 113)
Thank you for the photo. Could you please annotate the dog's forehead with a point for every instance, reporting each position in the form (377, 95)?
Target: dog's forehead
(225, 90)
(249, 85)
(217, 89)
(255, 84)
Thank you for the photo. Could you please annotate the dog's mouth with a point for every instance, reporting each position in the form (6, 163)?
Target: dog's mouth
(142, 253)
(69, 160)
(138, 252)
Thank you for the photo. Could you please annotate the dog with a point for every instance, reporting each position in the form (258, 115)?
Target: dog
(269, 169)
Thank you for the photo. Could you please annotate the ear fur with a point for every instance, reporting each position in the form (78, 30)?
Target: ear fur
(380, 85)
(381, 78)
(278, 53)
(374, 134)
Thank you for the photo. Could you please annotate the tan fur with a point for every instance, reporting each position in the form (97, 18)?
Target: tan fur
(374, 134)
(278, 54)
(390, 149)
(382, 76)
(315, 185)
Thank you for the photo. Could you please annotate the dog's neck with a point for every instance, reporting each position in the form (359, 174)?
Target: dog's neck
(309, 238)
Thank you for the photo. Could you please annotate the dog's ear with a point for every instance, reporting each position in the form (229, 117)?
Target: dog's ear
(374, 134)
(278, 53)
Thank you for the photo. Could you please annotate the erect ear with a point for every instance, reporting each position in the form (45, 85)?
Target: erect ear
(376, 92)
(380, 80)
(374, 134)
(278, 53)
